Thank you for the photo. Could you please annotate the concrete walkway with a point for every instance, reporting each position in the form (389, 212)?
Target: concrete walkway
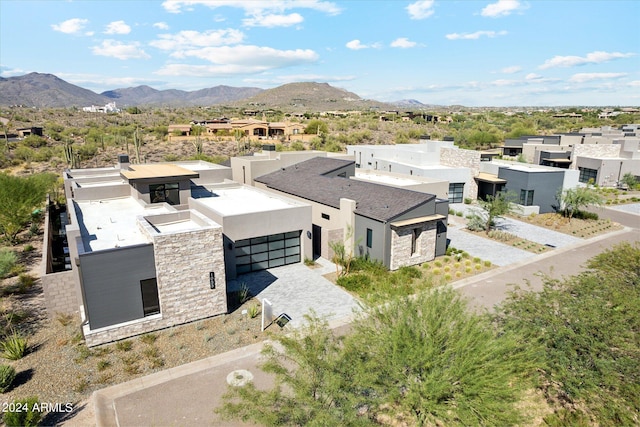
(298, 290)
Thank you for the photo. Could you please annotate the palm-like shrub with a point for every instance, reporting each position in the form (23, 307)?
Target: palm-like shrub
(7, 375)
(14, 347)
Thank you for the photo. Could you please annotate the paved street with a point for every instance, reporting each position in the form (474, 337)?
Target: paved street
(187, 395)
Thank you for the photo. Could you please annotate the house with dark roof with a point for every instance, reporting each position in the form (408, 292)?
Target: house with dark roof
(396, 226)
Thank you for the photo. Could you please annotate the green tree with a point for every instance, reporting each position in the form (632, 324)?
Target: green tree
(428, 360)
(316, 127)
(493, 207)
(629, 180)
(20, 197)
(588, 328)
(572, 200)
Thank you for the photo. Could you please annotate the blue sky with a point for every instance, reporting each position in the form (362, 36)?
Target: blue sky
(473, 53)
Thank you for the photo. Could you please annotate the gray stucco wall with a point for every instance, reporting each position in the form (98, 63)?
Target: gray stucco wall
(111, 283)
(545, 185)
(379, 250)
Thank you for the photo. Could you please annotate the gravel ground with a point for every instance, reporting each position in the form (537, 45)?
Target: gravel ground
(60, 369)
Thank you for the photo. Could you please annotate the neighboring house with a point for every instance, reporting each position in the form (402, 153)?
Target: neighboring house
(253, 129)
(152, 246)
(395, 226)
(245, 169)
(107, 108)
(606, 164)
(535, 187)
(431, 159)
(34, 130)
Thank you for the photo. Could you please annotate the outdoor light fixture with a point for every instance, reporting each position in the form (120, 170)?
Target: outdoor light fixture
(308, 234)
(212, 280)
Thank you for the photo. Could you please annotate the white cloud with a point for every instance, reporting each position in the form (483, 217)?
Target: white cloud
(115, 49)
(533, 76)
(511, 70)
(194, 39)
(254, 7)
(505, 82)
(586, 77)
(635, 83)
(356, 45)
(596, 57)
(403, 43)
(475, 36)
(117, 27)
(421, 9)
(502, 8)
(161, 26)
(71, 26)
(294, 78)
(253, 57)
(271, 21)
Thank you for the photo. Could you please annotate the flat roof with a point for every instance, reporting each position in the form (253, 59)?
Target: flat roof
(242, 200)
(487, 177)
(198, 165)
(157, 171)
(116, 180)
(387, 179)
(112, 223)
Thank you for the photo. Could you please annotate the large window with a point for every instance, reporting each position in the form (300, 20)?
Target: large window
(526, 197)
(369, 238)
(415, 234)
(588, 174)
(165, 193)
(456, 191)
(150, 301)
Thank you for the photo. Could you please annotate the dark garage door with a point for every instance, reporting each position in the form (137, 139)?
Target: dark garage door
(260, 253)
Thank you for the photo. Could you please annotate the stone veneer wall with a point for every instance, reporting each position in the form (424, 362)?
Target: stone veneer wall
(183, 262)
(329, 236)
(401, 245)
(458, 158)
(594, 150)
(60, 293)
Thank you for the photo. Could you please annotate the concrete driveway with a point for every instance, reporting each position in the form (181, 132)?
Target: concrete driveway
(298, 290)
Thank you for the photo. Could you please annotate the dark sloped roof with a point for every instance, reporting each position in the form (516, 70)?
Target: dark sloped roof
(375, 201)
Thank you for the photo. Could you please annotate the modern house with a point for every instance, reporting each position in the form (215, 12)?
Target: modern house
(534, 186)
(396, 226)
(440, 160)
(151, 246)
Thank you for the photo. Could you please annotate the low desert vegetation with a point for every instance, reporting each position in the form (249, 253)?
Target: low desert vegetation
(574, 343)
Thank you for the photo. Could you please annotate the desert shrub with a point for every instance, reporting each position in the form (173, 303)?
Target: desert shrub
(7, 375)
(148, 338)
(23, 413)
(475, 222)
(171, 158)
(14, 347)
(586, 215)
(8, 259)
(354, 282)
(409, 272)
(253, 311)
(124, 345)
(25, 281)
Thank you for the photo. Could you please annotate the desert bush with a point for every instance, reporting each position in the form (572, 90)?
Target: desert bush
(25, 281)
(253, 311)
(8, 259)
(124, 345)
(14, 347)
(23, 413)
(354, 282)
(7, 375)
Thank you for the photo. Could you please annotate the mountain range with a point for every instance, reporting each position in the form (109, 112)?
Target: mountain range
(49, 91)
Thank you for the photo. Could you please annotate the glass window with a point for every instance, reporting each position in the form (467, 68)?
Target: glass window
(415, 233)
(369, 238)
(165, 193)
(588, 174)
(150, 301)
(526, 197)
(456, 191)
